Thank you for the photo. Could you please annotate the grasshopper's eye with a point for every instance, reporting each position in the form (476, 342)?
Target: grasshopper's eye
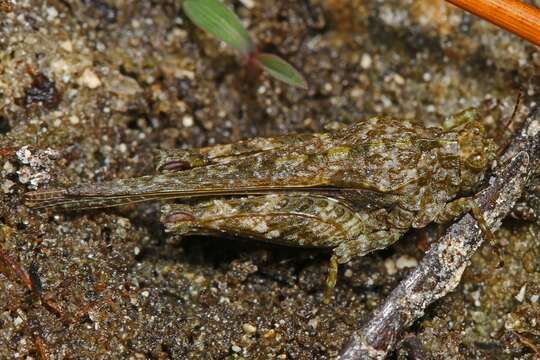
(475, 153)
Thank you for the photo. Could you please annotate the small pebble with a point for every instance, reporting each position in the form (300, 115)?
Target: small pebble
(250, 4)
(9, 168)
(74, 119)
(52, 13)
(249, 329)
(66, 45)
(7, 185)
(406, 261)
(314, 323)
(398, 79)
(390, 266)
(187, 121)
(521, 294)
(122, 148)
(90, 79)
(17, 321)
(365, 62)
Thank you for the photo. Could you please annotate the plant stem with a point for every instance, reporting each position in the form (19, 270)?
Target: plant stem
(512, 15)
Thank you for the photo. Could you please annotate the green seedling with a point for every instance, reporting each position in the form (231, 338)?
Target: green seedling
(217, 19)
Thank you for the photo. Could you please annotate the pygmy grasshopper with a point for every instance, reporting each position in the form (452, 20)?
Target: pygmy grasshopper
(354, 190)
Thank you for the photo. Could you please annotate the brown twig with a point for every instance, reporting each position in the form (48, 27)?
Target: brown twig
(41, 349)
(30, 280)
(441, 268)
(9, 265)
(527, 342)
(512, 15)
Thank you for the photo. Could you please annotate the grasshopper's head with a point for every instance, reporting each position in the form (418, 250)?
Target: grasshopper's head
(476, 154)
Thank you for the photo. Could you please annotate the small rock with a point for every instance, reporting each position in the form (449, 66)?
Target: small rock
(398, 79)
(37, 166)
(17, 321)
(250, 4)
(184, 74)
(24, 175)
(390, 266)
(249, 329)
(89, 79)
(74, 119)
(314, 323)
(9, 168)
(42, 92)
(187, 121)
(122, 148)
(123, 85)
(521, 294)
(7, 185)
(24, 154)
(406, 261)
(365, 62)
(52, 13)
(66, 45)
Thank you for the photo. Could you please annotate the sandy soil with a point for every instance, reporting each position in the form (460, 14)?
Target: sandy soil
(89, 90)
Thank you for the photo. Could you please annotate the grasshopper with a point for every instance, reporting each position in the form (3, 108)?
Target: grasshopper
(354, 190)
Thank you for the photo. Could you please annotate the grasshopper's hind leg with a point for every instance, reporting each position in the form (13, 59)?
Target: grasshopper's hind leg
(301, 220)
(331, 278)
(359, 246)
(461, 206)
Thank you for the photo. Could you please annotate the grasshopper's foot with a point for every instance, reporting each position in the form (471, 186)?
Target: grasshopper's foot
(460, 206)
(331, 279)
(477, 214)
(488, 235)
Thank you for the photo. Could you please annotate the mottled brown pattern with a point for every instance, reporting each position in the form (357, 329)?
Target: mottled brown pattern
(354, 190)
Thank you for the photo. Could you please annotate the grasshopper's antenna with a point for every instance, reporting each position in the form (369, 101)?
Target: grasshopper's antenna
(505, 137)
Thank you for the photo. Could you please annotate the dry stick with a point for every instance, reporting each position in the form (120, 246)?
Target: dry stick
(512, 15)
(17, 270)
(442, 266)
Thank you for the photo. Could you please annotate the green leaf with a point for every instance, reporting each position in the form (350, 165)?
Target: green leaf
(216, 18)
(281, 70)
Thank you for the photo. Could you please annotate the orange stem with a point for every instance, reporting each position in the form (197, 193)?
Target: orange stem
(512, 15)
